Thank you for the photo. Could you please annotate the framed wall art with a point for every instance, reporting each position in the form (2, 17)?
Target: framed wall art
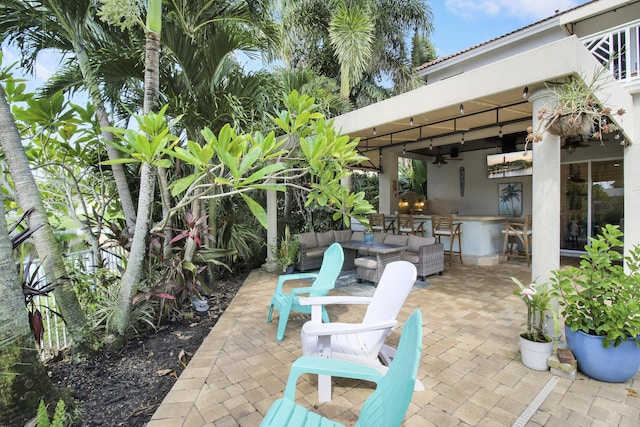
(510, 198)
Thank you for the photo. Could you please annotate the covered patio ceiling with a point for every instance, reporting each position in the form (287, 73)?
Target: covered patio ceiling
(476, 124)
(474, 105)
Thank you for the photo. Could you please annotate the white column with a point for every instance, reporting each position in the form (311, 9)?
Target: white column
(632, 181)
(388, 202)
(545, 197)
(272, 229)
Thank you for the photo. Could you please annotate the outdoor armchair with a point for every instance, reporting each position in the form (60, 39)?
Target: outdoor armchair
(323, 282)
(386, 406)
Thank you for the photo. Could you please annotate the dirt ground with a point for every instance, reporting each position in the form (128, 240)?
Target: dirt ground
(125, 388)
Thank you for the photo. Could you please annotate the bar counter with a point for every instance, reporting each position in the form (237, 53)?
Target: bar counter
(482, 237)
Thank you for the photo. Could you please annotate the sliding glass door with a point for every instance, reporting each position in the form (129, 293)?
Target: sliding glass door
(592, 195)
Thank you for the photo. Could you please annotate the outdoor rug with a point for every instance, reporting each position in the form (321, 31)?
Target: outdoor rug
(348, 283)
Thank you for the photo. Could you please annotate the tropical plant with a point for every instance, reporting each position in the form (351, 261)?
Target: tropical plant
(73, 30)
(24, 379)
(599, 297)
(243, 163)
(287, 252)
(537, 297)
(29, 198)
(360, 42)
(575, 110)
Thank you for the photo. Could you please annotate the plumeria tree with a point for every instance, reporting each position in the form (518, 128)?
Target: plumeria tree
(230, 163)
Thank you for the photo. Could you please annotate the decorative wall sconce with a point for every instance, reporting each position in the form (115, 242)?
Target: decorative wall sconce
(403, 204)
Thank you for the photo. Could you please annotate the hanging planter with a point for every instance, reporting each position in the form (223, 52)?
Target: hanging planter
(575, 111)
(568, 125)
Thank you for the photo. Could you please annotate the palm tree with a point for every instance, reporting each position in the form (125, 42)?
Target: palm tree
(70, 28)
(29, 198)
(323, 35)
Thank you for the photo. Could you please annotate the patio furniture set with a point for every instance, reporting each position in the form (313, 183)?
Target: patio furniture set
(369, 259)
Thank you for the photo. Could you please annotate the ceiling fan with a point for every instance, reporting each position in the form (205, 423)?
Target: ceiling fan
(442, 160)
(570, 144)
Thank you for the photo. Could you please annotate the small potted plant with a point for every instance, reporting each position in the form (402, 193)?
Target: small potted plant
(535, 345)
(600, 304)
(286, 254)
(575, 110)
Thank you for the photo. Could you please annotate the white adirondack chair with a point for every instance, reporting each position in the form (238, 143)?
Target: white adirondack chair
(362, 343)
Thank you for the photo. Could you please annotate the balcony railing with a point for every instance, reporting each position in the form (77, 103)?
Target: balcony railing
(618, 49)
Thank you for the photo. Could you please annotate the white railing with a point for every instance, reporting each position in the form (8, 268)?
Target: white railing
(56, 337)
(618, 49)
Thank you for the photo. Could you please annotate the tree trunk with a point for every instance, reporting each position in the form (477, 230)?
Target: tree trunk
(24, 378)
(133, 272)
(44, 240)
(119, 175)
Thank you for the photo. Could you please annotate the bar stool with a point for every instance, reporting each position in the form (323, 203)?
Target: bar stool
(407, 225)
(521, 231)
(443, 226)
(378, 223)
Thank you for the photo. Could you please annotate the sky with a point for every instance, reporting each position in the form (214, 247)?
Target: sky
(458, 24)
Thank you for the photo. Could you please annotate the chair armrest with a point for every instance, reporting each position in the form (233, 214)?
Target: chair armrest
(331, 367)
(337, 299)
(317, 329)
(298, 276)
(430, 249)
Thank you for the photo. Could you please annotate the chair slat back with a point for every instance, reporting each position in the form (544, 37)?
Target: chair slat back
(376, 221)
(441, 222)
(393, 288)
(388, 405)
(329, 271)
(405, 222)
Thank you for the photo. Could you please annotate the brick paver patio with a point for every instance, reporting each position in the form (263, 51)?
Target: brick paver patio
(470, 363)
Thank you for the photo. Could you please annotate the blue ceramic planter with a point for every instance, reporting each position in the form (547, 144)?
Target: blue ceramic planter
(613, 364)
(368, 237)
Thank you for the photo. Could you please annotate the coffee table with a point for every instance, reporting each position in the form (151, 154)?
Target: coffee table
(386, 251)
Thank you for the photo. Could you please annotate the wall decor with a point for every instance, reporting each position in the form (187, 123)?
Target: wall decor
(510, 198)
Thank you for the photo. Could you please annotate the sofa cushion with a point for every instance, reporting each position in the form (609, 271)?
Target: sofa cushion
(366, 262)
(325, 239)
(379, 237)
(315, 252)
(394, 239)
(308, 240)
(341, 235)
(416, 241)
(412, 257)
(357, 235)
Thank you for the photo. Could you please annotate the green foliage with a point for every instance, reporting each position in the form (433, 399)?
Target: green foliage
(149, 143)
(142, 312)
(286, 253)
(537, 297)
(60, 417)
(598, 297)
(311, 149)
(43, 416)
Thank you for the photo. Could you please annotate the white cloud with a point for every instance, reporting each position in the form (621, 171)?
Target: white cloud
(524, 10)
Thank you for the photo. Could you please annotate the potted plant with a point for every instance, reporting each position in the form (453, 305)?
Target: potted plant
(601, 308)
(286, 254)
(535, 345)
(575, 110)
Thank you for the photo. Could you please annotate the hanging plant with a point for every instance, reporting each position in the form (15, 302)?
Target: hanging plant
(575, 111)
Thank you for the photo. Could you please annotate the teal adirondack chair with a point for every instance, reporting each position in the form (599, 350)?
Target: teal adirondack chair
(387, 405)
(323, 282)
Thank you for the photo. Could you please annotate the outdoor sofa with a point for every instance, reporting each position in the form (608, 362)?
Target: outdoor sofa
(423, 252)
